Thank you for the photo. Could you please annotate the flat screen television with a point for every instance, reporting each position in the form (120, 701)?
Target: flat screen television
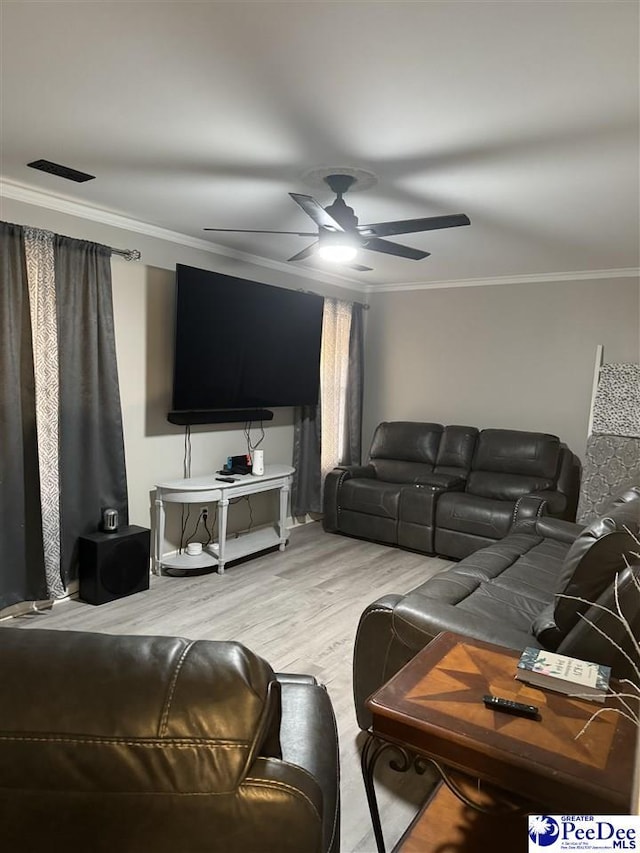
(243, 345)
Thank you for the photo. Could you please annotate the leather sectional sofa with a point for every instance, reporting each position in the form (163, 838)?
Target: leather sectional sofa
(518, 592)
(132, 743)
(450, 490)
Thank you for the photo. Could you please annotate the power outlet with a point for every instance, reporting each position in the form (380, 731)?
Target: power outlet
(204, 513)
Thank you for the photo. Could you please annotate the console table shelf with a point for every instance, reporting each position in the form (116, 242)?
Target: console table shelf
(250, 543)
(209, 489)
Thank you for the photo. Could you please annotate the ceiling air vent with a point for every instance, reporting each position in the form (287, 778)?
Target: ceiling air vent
(61, 171)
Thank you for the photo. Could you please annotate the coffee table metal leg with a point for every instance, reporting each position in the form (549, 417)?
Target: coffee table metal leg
(371, 752)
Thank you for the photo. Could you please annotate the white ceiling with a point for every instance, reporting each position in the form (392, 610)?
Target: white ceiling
(524, 115)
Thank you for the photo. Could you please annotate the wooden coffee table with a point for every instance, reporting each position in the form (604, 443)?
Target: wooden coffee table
(432, 710)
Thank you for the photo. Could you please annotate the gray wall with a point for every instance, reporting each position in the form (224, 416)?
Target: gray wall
(515, 356)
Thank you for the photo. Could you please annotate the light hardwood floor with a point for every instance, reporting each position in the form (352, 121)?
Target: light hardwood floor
(299, 610)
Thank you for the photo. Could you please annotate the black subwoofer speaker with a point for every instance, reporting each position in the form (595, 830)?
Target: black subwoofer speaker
(113, 565)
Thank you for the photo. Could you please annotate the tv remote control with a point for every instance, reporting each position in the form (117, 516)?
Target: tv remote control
(227, 479)
(508, 706)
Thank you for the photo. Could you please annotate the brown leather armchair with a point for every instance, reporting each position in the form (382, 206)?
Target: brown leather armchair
(132, 743)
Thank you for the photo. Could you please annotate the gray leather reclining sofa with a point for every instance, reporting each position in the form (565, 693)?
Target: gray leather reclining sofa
(518, 592)
(450, 490)
(132, 743)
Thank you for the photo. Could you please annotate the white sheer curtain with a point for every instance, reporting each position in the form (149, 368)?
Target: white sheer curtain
(334, 373)
(330, 434)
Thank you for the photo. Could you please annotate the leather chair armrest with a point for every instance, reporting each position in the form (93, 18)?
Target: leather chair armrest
(332, 484)
(550, 528)
(537, 504)
(528, 507)
(281, 804)
(309, 738)
(356, 470)
(555, 502)
(295, 678)
(371, 652)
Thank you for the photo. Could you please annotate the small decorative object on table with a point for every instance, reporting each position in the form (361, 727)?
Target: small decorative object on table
(564, 674)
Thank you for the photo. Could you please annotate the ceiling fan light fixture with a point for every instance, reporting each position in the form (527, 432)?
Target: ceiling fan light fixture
(337, 247)
(337, 254)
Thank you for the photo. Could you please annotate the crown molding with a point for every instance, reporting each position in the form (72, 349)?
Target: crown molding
(64, 204)
(533, 278)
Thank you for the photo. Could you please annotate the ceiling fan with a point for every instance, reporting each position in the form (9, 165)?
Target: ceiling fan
(339, 236)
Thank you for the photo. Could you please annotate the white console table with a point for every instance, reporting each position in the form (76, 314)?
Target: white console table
(209, 489)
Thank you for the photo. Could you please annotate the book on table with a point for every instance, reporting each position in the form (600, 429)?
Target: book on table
(564, 674)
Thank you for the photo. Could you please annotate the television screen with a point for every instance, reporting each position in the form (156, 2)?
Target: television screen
(244, 345)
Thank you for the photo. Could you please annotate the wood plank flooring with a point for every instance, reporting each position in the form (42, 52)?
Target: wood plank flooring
(299, 610)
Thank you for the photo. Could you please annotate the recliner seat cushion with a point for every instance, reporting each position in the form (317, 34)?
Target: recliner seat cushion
(371, 497)
(473, 515)
(521, 561)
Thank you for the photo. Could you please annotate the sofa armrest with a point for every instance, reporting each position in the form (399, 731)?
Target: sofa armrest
(309, 738)
(549, 528)
(528, 507)
(332, 484)
(555, 502)
(537, 504)
(371, 665)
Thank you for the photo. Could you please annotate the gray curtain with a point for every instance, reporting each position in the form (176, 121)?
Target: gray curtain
(355, 389)
(92, 465)
(22, 574)
(306, 491)
(62, 452)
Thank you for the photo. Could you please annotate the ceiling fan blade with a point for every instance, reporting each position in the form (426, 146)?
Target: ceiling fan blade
(411, 226)
(315, 210)
(374, 244)
(360, 267)
(305, 253)
(249, 231)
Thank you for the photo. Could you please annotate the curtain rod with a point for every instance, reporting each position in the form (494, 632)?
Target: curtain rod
(365, 305)
(127, 254)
